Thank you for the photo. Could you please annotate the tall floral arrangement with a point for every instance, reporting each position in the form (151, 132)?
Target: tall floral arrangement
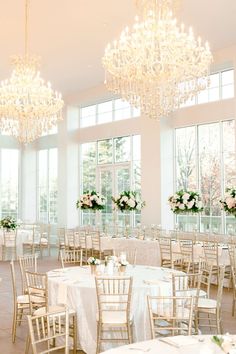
(185, 201)
(228, 203)
(128, 200)
(91, 200)
(8, 223)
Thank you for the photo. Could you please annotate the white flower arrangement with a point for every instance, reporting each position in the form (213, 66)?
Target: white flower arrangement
(91, 200)
(123, 262)
(185, 202)
(8, 223)
(128, 200)
(93, 261)
(228, 203)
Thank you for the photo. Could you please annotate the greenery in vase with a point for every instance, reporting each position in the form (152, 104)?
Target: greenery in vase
(91, 200)
(9, 223)
(228, 203)
(128, 200)
(185, 201)
(93, 261)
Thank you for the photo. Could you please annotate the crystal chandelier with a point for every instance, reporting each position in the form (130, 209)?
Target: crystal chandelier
(28, 106)
(157, 66)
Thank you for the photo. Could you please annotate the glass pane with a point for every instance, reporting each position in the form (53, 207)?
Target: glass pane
(214, 94)
(214, 80)
(88, 116)
(137, 175)
(186, 158)
(210, 171)
(122, 180)
(227, 77)
(105, 151)
(88, 160)
(52, 180)
(122, 109)
(106, 190)
(9, 182)
(136, 147)
(202, 97)
(122, 149)
(229, 153)
(227, 91)
(136, 112)
(105, 112)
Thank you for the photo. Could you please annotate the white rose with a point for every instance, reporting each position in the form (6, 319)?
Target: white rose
(125, 199)
(181, 206)
(186, 196)
(131, 203)
(230, 202)
(190, 204)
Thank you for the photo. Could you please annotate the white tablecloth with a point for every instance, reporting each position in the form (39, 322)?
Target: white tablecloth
(187, 344)
(76, 288)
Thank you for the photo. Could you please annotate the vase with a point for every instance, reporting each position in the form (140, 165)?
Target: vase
(93, 269)
(122, 269)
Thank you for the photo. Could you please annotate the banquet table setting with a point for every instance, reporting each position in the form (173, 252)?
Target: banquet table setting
(76, 288)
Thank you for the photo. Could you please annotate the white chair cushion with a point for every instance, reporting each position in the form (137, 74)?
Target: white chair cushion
(43, 240)
(113, 317)
(207, 303)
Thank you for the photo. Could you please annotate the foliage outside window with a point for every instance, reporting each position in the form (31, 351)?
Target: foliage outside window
(205, 161)
(47, 186)
(106, 112)
(111, 166)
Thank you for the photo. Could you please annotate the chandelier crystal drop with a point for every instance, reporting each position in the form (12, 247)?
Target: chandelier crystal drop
(28, 106)
(157, 66)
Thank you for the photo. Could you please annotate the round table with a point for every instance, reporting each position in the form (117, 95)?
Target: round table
(76, 287)
(171, 345)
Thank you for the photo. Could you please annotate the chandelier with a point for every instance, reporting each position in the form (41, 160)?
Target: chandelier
(28, 106)
(157, 66)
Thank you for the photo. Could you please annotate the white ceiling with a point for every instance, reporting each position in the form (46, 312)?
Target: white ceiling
(70, 35)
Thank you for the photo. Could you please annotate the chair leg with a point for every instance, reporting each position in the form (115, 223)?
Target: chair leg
(27, 344)
(99, 329)
(129, 330)
(74, 334)
(14, 326)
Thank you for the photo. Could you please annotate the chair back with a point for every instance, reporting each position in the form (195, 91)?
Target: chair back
(186, 249)
(9, 238)
(69, 238)
(37, 288)
(114, 295)
(206, 270)
(27, 263)
(47, 329)
(211, 251)
(96, 241)
(170, 315)
(61, 235)
(166, 250)
(220, 285)
(71, 257)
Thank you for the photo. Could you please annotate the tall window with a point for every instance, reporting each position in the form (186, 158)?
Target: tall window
(47, 186)
(106, 112)
(9, 171)
(111, 166)
(205, 161)
(221, 87)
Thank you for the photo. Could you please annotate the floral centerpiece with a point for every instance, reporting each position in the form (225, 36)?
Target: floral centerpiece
(93, 261)
(129, 200)
(8, 223)
(91, 200)
(228, 203)
(185, 202)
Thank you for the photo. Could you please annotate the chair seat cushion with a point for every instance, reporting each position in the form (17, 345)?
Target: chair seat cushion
(113, 317)
(43, 240)
(207, 303)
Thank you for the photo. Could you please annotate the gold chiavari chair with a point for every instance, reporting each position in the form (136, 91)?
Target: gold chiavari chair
(37, 284)
(170, 315)
(45, 239)
(52, 327)
(71, 257)
(32, 245)
(20, 304)
(27, 263)
(211, 252)
(206, 278)
(233, 272)
(61, 236)
(97, 250)
(9, 244)
(114, 297)
(209, 310)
